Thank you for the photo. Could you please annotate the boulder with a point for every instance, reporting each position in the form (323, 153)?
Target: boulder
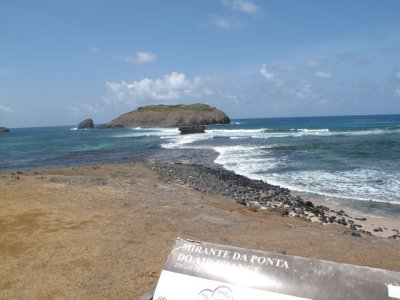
(86, 124)
(170, 116)
(4, 129)
(192, 129)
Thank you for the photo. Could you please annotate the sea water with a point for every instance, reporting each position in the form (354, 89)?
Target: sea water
(346, 157)
(351, 157)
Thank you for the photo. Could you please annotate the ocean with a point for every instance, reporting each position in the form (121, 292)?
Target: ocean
(347, 159)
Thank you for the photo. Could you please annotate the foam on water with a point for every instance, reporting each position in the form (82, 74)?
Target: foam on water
(183, 141)
(346, 157)
(249, 161)
(355, 184)
(140, 132)
(359, 184)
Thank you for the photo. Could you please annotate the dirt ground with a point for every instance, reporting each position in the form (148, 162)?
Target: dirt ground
(104, 232)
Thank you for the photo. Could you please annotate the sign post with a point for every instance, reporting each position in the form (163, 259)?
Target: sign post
(205, 271)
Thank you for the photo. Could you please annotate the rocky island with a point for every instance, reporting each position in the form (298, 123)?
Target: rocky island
(170, 116)
(4, 129)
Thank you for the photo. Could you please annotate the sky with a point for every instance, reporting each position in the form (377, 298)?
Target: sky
(62, 61)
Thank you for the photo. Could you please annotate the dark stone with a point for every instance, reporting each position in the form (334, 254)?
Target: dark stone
(352, 233)
(4, 130)
(309, 204)
(86, 124)
(192, 129)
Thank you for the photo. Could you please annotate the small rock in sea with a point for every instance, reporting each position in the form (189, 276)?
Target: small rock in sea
(188, 129)
(86, 124)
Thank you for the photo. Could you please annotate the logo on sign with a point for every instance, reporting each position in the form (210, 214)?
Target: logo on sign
(220, 293)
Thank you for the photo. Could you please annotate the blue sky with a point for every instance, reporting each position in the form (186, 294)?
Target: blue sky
(65, 60)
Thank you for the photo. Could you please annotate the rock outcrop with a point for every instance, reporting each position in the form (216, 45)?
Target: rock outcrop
(4, 129)
(86, 124)
(187, 129)
(170, 116)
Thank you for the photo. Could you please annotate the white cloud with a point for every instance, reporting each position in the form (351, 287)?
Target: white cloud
(138, 58)
(224, 22)
(269, 76)
(305, 91)
(5, 109)
(322, 74)
(245, 6)
(311, 63)
(172, 86)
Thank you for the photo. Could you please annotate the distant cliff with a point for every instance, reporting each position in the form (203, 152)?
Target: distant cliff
(170, 116)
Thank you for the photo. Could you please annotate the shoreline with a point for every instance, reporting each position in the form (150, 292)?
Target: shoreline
(104, 231)
(259, 195)
(375, 224)
(313, 207)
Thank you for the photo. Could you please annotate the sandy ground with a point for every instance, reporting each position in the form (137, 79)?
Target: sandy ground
(104, 232)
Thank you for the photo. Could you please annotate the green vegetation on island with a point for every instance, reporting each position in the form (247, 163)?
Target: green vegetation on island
(170, 116)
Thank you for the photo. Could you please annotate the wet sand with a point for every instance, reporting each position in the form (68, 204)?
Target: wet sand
(371, 222)
(101, 232)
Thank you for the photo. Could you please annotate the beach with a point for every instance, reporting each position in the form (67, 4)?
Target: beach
(105, 230)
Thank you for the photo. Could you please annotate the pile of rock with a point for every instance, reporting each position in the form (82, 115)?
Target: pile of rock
(255, 194)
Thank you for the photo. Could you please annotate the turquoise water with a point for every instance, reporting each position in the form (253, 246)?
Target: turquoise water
(64, 146)
(354, 157)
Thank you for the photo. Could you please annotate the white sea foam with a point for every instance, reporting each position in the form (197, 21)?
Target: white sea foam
(357, 184)
(140, 132)
(250, 161)
(75, 128)
(260, 133)
(183, 141)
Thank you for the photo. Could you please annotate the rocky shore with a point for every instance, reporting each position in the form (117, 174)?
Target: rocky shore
(259, 195)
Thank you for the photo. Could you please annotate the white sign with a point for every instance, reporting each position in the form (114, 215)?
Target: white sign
(203, 271)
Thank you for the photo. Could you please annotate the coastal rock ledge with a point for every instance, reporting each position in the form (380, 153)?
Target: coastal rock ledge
(4, 129)
(170, 116)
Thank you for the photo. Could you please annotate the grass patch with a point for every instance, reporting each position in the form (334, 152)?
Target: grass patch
(198, 107)
(118, 173)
